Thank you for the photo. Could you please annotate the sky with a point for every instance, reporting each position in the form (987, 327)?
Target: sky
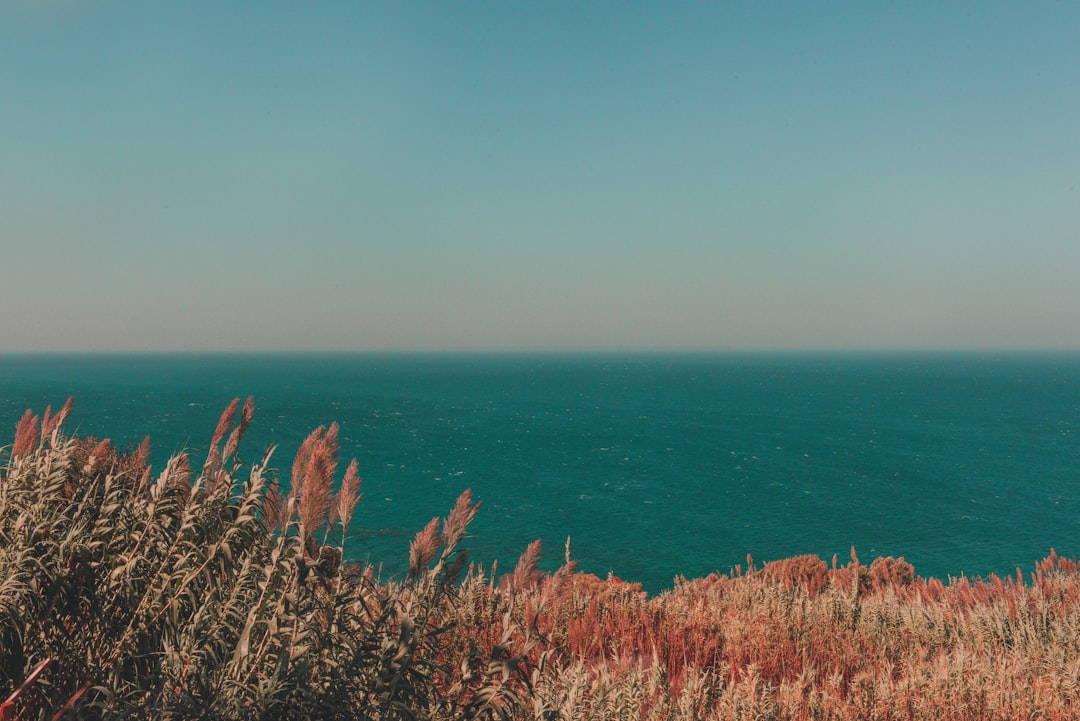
(557, 176)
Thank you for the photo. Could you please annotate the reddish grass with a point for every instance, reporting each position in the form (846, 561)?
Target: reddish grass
(803, 640)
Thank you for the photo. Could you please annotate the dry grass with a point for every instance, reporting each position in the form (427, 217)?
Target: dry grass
(218, 595)
(211, 595)
(798, 640)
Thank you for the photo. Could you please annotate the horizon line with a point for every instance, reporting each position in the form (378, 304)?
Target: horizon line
(580, 352)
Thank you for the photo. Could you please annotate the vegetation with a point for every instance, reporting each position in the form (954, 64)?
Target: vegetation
(218, 594)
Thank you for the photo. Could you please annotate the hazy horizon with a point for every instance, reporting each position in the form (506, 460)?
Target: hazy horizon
(559, 178)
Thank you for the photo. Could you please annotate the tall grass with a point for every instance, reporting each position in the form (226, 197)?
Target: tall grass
(219, 594)
(215, 595)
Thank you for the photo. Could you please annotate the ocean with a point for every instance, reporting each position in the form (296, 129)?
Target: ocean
(654, 466)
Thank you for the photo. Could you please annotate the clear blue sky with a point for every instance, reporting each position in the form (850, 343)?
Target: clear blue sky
(563, 176)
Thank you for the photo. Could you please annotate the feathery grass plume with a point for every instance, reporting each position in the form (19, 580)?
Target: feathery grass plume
(453, 559)
(331, 442)
(317, 475)
(525, 572)
(46, 421)
(142, 452)
(277, 505)
(231, 444)
(50, 425)
(101, 454)
(423, 548)
(26, 435)
(177, 477)
(300, 462)
(247, 412)
(348, 495)
(225, 422)
(214, 455)
(459, 519)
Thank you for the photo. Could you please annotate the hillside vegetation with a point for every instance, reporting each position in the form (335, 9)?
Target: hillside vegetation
(207, 590)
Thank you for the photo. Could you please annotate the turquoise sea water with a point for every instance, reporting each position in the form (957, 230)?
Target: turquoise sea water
(654, 466)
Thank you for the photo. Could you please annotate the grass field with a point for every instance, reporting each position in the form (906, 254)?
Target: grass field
(207, 590)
